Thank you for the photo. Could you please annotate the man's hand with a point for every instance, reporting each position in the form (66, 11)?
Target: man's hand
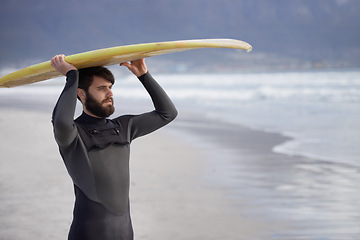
(59, 63)
(137, 67)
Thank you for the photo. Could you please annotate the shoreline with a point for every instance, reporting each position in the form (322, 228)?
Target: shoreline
(290, 191)
(205, 207)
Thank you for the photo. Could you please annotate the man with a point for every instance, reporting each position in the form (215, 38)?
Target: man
(96, 150)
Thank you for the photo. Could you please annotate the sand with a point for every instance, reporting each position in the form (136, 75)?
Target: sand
(174, 189)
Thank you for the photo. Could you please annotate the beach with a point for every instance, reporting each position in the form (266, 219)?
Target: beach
(200, 177)
(176, 190)
(170, 195)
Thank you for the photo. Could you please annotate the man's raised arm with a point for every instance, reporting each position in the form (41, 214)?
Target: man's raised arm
(63, 114)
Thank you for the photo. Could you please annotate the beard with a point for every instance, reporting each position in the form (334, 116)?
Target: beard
(97, 108)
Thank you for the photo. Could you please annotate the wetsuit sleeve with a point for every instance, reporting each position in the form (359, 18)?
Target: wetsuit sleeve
(164, 112)
(65, 130)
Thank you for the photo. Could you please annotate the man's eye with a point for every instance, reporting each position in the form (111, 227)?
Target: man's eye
(102, 88)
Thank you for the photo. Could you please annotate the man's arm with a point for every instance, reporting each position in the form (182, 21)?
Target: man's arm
(165, 110)
(63, 114)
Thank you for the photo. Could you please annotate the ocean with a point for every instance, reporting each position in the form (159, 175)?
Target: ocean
(319, 110)
(314, 191)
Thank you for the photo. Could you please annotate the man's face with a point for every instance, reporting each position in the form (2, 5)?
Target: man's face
(99, 101)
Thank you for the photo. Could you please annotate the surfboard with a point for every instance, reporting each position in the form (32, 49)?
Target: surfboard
(115, 55)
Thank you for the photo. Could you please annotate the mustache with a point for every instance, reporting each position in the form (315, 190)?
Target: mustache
(107, 99)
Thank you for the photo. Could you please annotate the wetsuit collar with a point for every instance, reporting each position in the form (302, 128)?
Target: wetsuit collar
(86, 119)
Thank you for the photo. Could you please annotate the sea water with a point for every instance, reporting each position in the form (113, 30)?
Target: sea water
(316, 197)
(319, 110)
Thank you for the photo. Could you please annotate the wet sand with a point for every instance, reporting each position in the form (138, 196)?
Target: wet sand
(171, 197)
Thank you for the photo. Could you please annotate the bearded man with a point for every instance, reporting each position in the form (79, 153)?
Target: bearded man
(96, 149)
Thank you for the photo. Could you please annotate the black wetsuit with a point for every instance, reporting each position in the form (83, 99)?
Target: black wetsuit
(96, 154)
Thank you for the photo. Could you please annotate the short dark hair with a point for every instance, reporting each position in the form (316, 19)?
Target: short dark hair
(86, 76)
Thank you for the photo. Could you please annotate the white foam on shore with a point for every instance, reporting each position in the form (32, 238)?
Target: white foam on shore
(298, 146)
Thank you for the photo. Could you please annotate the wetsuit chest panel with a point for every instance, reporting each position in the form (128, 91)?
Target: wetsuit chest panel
(102, 136)
(110, 168)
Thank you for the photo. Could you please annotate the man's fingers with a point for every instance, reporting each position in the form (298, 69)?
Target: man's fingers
(58, 62)
(57, 59)
(126, 64)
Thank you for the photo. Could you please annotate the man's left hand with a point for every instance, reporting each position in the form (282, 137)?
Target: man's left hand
(137, 67)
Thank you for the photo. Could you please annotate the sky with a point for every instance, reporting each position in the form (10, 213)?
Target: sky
(314, 31)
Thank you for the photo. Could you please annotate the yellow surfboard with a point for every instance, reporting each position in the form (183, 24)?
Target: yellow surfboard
(115, 55)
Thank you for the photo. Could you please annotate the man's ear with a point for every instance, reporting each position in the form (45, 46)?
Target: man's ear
(81, 94)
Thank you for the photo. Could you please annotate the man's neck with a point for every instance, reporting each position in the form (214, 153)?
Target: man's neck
(86, 119)
(90, 113)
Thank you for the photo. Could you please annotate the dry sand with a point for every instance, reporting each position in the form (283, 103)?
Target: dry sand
(171, 194)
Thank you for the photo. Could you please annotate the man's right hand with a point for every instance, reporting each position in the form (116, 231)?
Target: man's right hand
(59, 63)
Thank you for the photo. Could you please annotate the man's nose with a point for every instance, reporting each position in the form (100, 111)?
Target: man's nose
(109, 93)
